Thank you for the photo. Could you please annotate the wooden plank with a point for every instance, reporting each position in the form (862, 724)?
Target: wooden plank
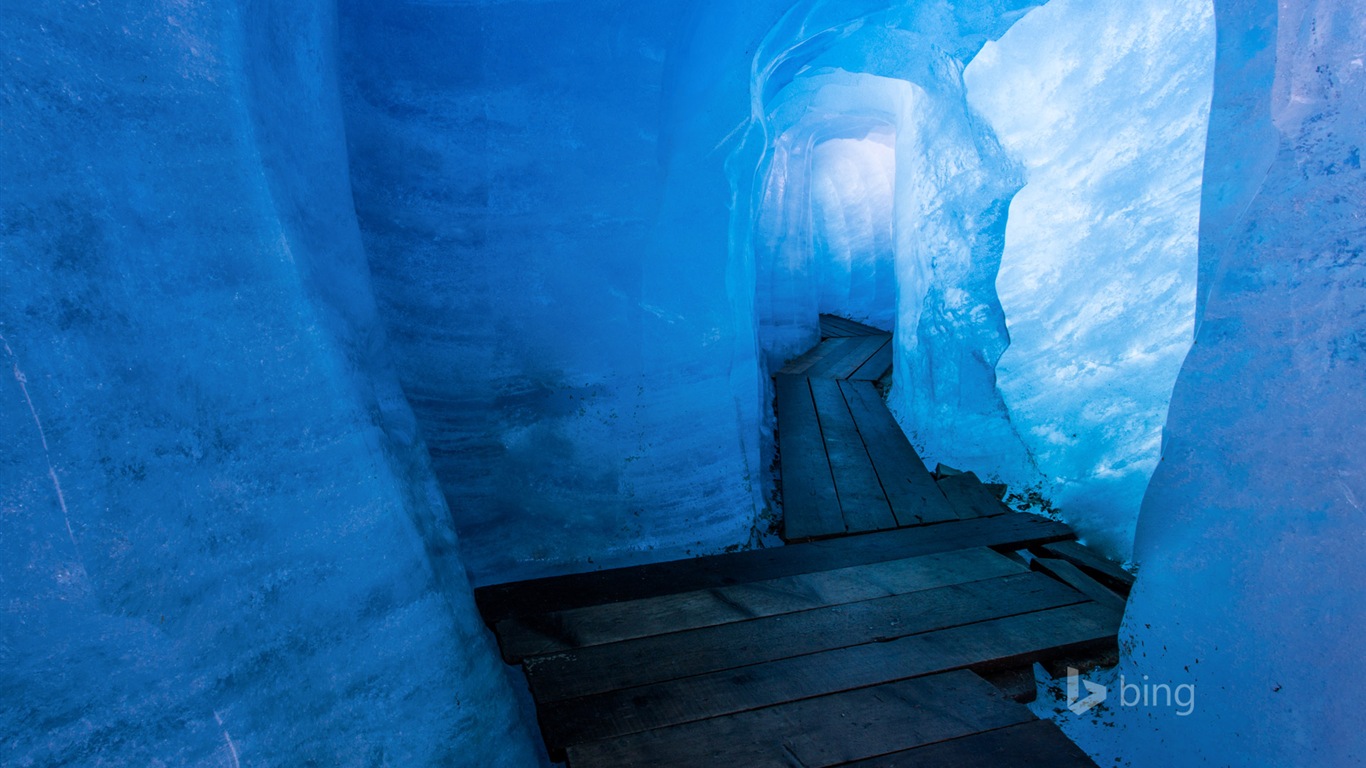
(857, 487)
(840, 324)
(1088, 559)
(857, 357)
(1004, 642)
(843, 365)
(833, 348)
(1015, 531)
(603, 668)
(540, 634)
(828, 326)
(853, 365)
(870, 329)
(966, 705)
(830, 330)
(1036, 744)
(801, 362)
(969, 498)
(810, 506)
(854, 326)
(1074, 577)
(806, 360)
(1016, 683)
(824, 731)
(911, 492)
(876, 367)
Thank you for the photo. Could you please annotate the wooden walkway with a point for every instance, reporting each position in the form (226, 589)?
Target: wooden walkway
(901, 631)
(846, 465)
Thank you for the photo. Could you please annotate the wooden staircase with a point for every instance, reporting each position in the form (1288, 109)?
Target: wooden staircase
(873, 639)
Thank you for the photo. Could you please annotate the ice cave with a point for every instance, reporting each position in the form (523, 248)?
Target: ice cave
(324, 321)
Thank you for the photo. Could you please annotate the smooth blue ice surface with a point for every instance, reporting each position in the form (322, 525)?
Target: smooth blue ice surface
(221, 543)
(554, 281)
(1251, 531)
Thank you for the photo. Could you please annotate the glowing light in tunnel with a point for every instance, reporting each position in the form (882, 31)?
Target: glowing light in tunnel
(852, 189)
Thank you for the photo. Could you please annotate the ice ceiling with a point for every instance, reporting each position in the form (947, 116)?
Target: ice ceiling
(317, 313)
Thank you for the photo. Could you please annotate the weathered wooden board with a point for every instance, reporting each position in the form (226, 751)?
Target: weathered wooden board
(857, 487)
(833, 346)
(911, 492)
(824, 731)
(523, 598)
(999, 642)
(678, 655)
(1080, 581)
(1088, 559)
(876, 367)
(969, 498)
(541, 634)
(1037, 744)
(853, 326)
(831, 328)
(810, 505)
(844, 365)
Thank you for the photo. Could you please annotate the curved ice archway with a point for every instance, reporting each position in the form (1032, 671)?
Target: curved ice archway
(1117, 323)
(901, 66)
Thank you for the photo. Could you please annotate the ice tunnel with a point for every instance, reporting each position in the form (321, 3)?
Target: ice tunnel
(1011, 183)
(318, 315)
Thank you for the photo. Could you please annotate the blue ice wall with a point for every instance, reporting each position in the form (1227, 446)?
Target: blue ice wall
(1106, 105)
(1251, 531)
(222, 543)
(554, 273)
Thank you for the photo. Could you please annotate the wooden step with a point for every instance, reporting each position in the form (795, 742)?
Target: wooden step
(1017, 682)
(541, 634)
(969, 497)
(847, 326)
(850, 359)
(630, 663)
(824, 731)
(1089, 560)
(524, 598)
(1001, 642)
(1037, 744)
(1077, 579)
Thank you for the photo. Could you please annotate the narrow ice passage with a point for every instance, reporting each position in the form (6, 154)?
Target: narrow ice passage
(317, 315)
(1041, 218)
